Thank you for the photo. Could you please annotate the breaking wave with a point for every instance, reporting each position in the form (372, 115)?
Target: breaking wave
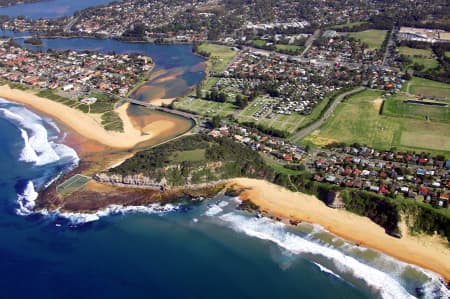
(82, 218)
(39, 148)
(276, 232)
(26, 200)
(326, 270)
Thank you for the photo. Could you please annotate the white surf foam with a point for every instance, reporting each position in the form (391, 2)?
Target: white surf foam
(326, 270)
(38, 149)
(213, 211)
(267, 229)
(28, 154)
(26, 200)
(81, 218)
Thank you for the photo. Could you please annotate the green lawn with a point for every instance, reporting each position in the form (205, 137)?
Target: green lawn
(220, 56)
(398, 107)
(447, 53)
(373, 38)
(111, 121)
(258, 43)
(209, 83)
(207, 108)
(428, 53)
(192, 156)
(425, 87)
(348, 25)
(278, 166)
(289, 48)
(358, 120)
(422, 57)
(428, 63)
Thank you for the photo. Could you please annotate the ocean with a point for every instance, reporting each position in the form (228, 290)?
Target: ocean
(191, 249)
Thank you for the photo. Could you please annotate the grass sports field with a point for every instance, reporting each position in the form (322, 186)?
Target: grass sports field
(358, 120)
(425, 87)
(373, 38)
(220, 56)
(398, 106)
(72, 184)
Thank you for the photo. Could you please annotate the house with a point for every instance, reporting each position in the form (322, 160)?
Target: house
(423, 191)
(89, 101)
(420, 172)
(67, 87)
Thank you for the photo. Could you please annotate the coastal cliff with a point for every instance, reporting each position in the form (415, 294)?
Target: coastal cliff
(138, 181)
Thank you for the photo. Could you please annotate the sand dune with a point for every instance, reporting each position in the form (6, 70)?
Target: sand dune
(429, 252)
(82, 123)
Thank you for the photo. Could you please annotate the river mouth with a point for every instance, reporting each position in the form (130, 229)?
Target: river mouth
(176, 72)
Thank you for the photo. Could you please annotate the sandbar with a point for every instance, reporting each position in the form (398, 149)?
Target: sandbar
(84, 124)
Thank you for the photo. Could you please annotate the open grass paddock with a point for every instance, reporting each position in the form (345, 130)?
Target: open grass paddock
(427, 88)
(220, 56)
(373, 38)
(358, 120)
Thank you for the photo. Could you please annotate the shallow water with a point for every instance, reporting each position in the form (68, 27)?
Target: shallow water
(203, 250)
(177, 70)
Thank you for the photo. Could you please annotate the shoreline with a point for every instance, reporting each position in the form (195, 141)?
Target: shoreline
(428, 252)
(80, 122)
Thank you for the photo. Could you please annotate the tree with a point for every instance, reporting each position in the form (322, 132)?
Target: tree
(215, 121)
(241, 101)
(198, 92)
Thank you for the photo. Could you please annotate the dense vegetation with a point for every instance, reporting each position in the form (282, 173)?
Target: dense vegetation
(196, 159)
(380, 209)
(190, 160)
(35, 41)
(383, 210)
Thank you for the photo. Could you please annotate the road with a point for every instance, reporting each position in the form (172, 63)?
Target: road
(319, 122)
(310, 41)
(389, 45)
(68, 27)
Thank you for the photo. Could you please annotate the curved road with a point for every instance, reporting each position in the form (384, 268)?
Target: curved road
(319, 122)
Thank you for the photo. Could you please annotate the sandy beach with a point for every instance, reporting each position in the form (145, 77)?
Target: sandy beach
(429, 252)
(84, 124)
(160, 102)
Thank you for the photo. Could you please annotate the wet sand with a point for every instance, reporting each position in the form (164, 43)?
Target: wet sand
(429, 252)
